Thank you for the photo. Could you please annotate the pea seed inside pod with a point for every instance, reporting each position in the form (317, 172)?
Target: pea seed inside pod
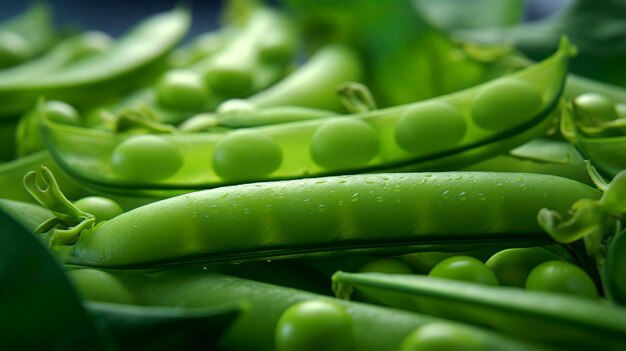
(343, 143)
(246, 155)
(182, 90)
(146, 157)
(505, 103)
(430, 128)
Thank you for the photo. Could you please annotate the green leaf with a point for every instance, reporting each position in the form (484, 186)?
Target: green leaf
(40, 310)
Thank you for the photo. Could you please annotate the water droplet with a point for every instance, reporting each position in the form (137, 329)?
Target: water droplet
(499, 184)
(214, 206)
(246, 211)
(135, 226)
(445, 195)
(379, 199)
(268, 206)
(307, 200)
(268, 261)
(234, 205)
(341, 181)
(321, 181)
(340, 202)
(397, 188)
(205, 268)
(280, 194)
(332, 191)
(321, 208)
(462, 196)
(355, 197)
(481, 196)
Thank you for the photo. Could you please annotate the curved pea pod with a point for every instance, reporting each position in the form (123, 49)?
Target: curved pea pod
(373, 327)
(395, 212)
(439, 134)
(554, 319)
(133, 60)
(606, 152)
(26, 35)
(542, 156)
(29, 215)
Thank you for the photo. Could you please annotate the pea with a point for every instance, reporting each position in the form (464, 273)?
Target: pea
(430, 128)
(505, 103)
(61, 112)
(314, 325)
(386, 265)
(97, 285)
(246, 155)
(561, 277)
(229, 81)
(464, 268)
(441, 337)
(343, 143)
(101, 207)
(595, 107)
(512, 266)
(146, 158)
(182, 90)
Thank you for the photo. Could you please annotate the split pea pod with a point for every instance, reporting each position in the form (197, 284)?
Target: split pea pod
(554, 319)
(395, 212)
(440, 134)
(133, 59)
(374, 328)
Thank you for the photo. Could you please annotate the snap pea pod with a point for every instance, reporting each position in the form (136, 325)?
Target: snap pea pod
(540, 155)
(439, 134)
(256, 51)
(554, 319)
(606, 152)
(314, 84)
(67, 51)
(29, 215)
(133, 60)
(27, 35)
(393, 212)
(374, 327)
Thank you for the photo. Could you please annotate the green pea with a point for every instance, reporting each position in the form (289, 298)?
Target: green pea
(441, 337)
(61, 112)
(97, 285)
(386, 265)
(229, 81)
(314, 325)
(102, 208)
(430, 128)
(182, 90)
(146, 158)
(561, 277)
(246, 155)
(505, 103)
(595, 107)
(512, 266)
(343, 143)
(464, 268)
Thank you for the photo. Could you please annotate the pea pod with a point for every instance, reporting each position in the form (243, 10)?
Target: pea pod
(478, 123)
(555, 319)
(393, 212)
(374, 328)
(131, 61)
(26, 35)
(605, 151)
(539, 156)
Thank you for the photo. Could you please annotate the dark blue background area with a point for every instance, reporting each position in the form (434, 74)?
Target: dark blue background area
(117, 16)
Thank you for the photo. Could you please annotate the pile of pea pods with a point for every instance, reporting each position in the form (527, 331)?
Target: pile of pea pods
(313, 175)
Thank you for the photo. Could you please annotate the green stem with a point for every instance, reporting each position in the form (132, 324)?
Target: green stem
(356, 97)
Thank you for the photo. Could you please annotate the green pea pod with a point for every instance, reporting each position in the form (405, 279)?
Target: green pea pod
(554, 319)
(605, 152)
(133, 60)
(539, 156)
(439, 134)
(29, 215)
(26, 35)
(257, 50)
(72, 49)
(374, 328)
(394, 212)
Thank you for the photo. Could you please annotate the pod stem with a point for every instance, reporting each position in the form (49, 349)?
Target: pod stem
(69, 220)
(356, 97)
